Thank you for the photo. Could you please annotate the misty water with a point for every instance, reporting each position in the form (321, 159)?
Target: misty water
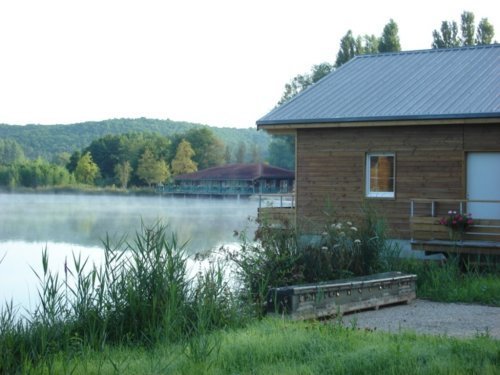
(77, 224)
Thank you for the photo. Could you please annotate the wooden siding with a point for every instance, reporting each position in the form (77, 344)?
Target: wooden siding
(430, 163)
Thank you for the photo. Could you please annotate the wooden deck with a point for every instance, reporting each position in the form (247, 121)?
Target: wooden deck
(481, 238)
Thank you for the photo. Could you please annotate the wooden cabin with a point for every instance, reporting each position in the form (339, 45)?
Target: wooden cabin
(415, 134)
(234, 179)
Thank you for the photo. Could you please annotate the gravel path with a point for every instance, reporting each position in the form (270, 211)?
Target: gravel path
(436, 318)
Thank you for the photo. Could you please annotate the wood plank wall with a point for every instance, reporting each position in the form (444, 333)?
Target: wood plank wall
(430, 163)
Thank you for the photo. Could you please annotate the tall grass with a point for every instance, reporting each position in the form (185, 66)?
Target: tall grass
(274, 346)
(141, 295)
(449, 282)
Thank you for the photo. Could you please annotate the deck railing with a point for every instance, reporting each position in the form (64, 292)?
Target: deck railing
(427, 232)
(218, 190)
(277, 209)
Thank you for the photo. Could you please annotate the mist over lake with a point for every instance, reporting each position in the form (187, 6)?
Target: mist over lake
(68, 224)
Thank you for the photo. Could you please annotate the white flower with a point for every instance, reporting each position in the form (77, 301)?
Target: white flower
(341, 234)
(338, 226)
(324, 248)
(324, 234)
(357, 241)
(354, 229)
(349, 223)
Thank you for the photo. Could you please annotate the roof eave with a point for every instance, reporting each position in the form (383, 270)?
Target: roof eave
(380, 121)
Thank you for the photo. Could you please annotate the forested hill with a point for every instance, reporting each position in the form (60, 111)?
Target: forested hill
(50, 140)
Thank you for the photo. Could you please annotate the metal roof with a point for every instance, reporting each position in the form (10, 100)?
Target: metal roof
(414, 85)
(238, 172)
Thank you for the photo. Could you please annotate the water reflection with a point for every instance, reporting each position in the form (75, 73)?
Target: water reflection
(84, 220)
(76, 224)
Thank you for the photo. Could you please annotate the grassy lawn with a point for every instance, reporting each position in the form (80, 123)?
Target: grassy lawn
(274, 346)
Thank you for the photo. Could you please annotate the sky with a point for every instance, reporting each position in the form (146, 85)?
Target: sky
(217, 62)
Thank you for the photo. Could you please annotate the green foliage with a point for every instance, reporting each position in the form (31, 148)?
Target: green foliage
(123, 173)
(448, 37)
(447, 281)
(467, 28)
(281, 256)
(182, 162)
(240, 153)
(485, 32)
(48, 141)
(275, 346)
(389, 41)
(152, 170)
(209, 150)
(10, 152)
(303, 81)
(86, 170)
(282, 151)
(141, 295)
(34, 174)
(351, 46)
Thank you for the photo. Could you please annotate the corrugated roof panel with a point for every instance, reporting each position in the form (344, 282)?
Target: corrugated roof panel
(443, 83)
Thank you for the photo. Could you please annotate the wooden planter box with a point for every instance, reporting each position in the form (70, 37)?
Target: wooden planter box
(341, 296)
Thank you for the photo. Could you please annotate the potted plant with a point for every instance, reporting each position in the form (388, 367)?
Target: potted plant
(457, 224)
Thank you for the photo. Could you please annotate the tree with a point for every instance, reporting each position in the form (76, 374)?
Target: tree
(467, 28)
(282, 151)
(123, 172)
(303, 81)
(448, 35)
(448, 38)
(240, 153)
(182, 162)
(227, 155)
(86, 170)
(389, 41)
(348, 49)
(10, 152)
(255, 153)
(485, 32)
(351, 47)
(209, 150)
(151, 170)
(73, 161)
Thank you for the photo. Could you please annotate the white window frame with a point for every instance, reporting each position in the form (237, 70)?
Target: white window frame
(379, 194)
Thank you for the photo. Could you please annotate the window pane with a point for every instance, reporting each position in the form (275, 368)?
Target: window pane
(382, 173)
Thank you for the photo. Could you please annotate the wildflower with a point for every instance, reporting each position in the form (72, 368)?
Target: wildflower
(349, 223)
(358, 241)
(341, 234)
(324, 234)
(324, 248)
(354, 229)
(338, 226)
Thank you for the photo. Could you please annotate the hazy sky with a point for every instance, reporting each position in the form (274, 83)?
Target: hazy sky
(218, 62)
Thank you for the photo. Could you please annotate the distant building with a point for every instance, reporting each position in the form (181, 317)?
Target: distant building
(234, 179)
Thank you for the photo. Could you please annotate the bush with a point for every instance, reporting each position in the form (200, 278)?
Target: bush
(277, 256)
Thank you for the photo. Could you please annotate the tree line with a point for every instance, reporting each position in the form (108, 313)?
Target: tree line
(131, 159)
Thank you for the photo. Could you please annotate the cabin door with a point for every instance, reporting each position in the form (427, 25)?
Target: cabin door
(483, 183)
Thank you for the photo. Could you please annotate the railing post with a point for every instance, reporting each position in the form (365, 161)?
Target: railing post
(281, 200)
(461, 207)
(411, 208)
(433, 208)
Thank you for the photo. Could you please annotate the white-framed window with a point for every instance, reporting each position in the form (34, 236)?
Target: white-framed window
(381, 175)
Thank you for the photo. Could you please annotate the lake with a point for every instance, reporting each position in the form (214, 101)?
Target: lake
(67, 224)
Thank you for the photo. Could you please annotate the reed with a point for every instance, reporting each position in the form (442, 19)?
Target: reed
(141, 295)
